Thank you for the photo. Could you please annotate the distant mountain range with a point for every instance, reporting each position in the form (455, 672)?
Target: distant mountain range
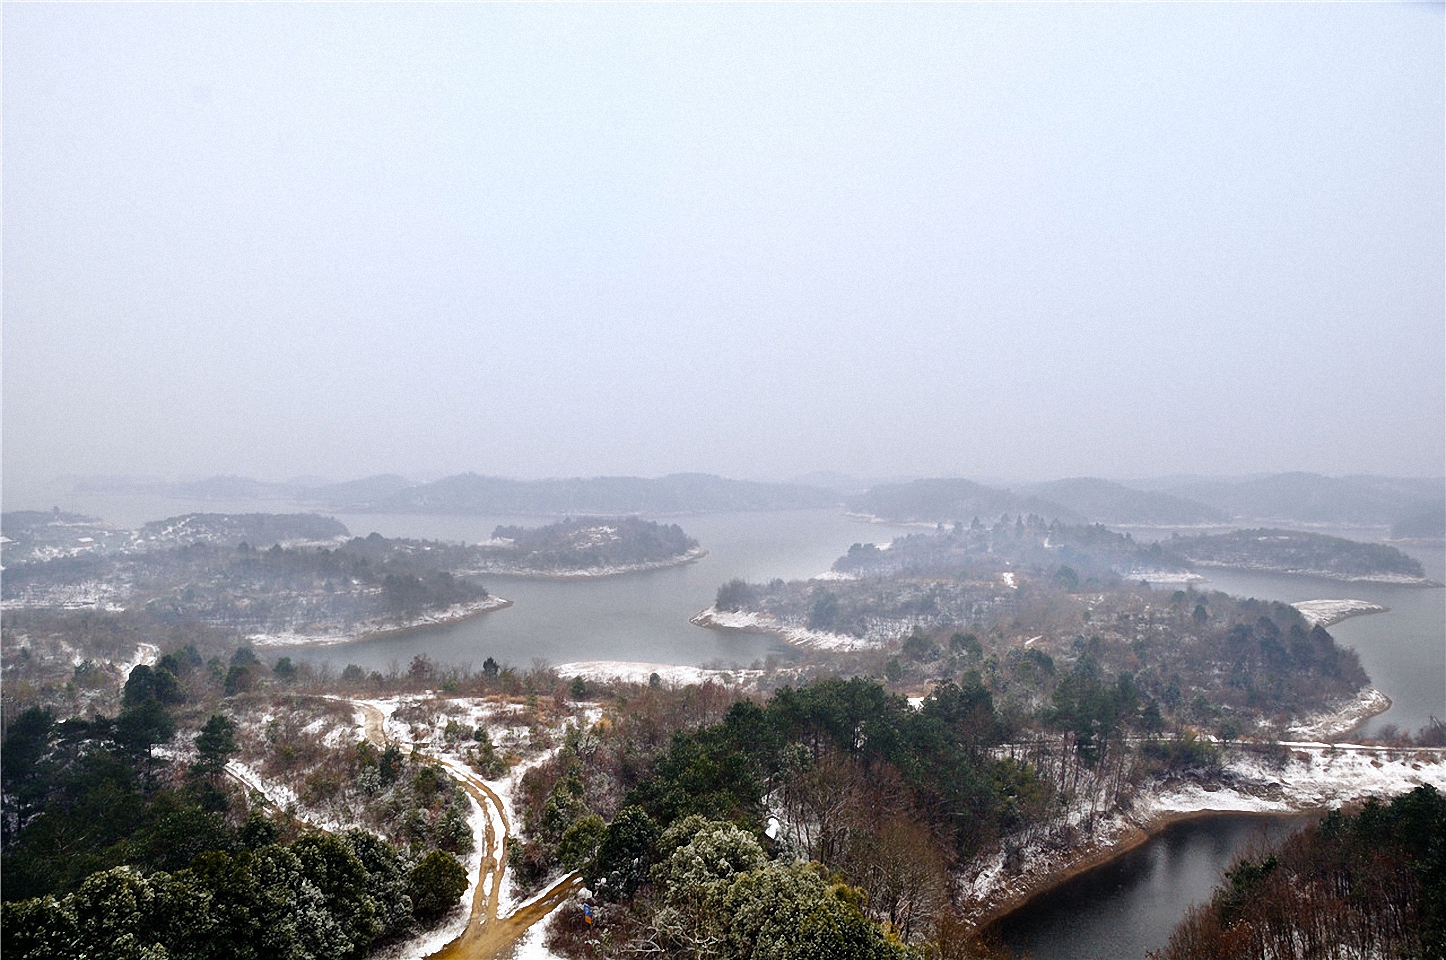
(470, 493)
(1413, 506)
(1312, 498)
(1083, 499)
(1104, 501)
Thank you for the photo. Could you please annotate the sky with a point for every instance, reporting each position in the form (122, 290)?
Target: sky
(1019, 240)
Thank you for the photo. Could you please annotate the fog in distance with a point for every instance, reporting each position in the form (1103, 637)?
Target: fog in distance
(983, 240)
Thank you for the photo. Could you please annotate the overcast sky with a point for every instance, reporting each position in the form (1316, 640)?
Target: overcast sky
(757, 240)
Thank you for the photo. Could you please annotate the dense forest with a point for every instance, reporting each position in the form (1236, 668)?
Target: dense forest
(677, 803)
(1290, 551)
(311, 579)
(587, 543)
(1028, 602)
(119, 841)
(1365, 884)
(278, 589)
(677, 835)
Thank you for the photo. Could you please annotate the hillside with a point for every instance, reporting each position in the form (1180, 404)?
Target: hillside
(1428, 524)
(1312, 498)
(950, 501)
(1103, 501)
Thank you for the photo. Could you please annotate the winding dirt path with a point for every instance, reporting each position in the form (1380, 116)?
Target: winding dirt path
(487, 935)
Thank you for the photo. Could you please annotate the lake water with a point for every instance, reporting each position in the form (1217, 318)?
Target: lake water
(639, 617)
(1119, 911)
(1130, 905)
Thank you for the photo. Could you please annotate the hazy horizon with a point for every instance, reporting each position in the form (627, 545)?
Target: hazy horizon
(756, 241)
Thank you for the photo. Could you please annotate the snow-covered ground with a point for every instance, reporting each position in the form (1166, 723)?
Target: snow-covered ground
(530, 946)
(1164, 576)
(632, 672)
(370, 629)
(1323, 613)
(146, 653)
(749, 621)
(1344, 718)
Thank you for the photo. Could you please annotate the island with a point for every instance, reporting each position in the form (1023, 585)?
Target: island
(280, 579)
(1301, 554)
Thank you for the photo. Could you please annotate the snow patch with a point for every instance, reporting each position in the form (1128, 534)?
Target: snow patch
(1324, 613)
(625, 671)
(748, 621)
(1343, 718)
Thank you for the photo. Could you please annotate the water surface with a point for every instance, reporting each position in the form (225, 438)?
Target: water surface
(1130, 905)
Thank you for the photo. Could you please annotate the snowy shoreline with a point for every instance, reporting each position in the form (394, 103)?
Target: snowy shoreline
(746, 621)
(590, 573)
(1327, 613)
(627, 671)
(1366, 704)
(1314, 778)
(377, 631)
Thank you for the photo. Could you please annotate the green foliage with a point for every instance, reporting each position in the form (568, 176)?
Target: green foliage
(214, 746)
(824, 614)
(734, 595)
(791, 913)
(435, 885)
(145, 683)
(939, 754)
(702, 854)
(919, 648)
(323, 897)
(580, 842)
(624, 856)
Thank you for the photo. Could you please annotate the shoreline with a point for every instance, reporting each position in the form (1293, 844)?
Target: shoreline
(453, 615)
(1136, 835)
(1348, 717)
(761, 623)
(1328, 613)
(632, 671)
(591, 573)
(1380, 579)
(1316, 777)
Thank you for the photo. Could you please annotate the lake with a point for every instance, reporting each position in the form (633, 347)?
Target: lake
(1120, 910)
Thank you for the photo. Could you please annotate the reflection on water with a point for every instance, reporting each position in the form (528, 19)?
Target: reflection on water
(1130, 905)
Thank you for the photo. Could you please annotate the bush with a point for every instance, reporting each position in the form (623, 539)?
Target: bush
(435, 885)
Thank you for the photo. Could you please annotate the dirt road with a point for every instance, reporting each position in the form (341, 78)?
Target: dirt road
(487, 935)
